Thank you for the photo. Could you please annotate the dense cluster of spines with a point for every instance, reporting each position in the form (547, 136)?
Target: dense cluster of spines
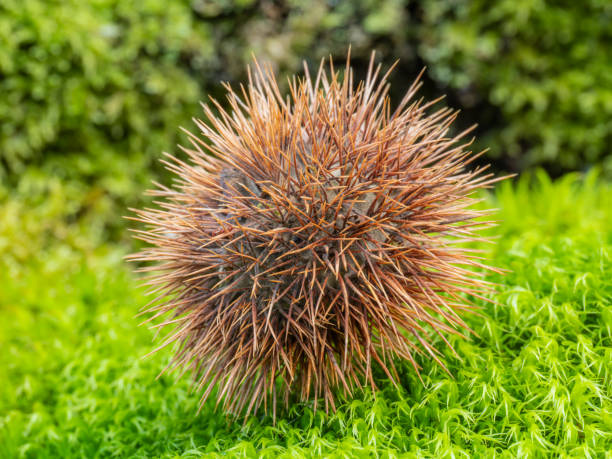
(311, 237)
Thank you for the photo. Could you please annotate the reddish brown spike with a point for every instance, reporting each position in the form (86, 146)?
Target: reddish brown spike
(311, 237)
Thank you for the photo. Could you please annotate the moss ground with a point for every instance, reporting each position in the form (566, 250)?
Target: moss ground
(535, 382)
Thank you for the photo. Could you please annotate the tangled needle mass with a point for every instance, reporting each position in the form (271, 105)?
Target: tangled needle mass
(311, 237)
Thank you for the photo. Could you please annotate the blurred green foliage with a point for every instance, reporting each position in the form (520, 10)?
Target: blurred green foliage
(546, 66)
(94, 91)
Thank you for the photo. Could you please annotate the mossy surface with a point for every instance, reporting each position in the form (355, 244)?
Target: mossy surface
(535, 381)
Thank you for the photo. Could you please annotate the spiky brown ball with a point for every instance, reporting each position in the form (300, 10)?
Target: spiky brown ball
(312, 237)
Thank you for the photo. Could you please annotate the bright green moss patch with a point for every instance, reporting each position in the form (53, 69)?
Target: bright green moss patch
(535, 382)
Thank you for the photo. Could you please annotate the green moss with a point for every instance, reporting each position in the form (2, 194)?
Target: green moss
(535, 382)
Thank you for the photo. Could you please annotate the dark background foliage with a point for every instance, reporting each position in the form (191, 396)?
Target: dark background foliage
(94, 91)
